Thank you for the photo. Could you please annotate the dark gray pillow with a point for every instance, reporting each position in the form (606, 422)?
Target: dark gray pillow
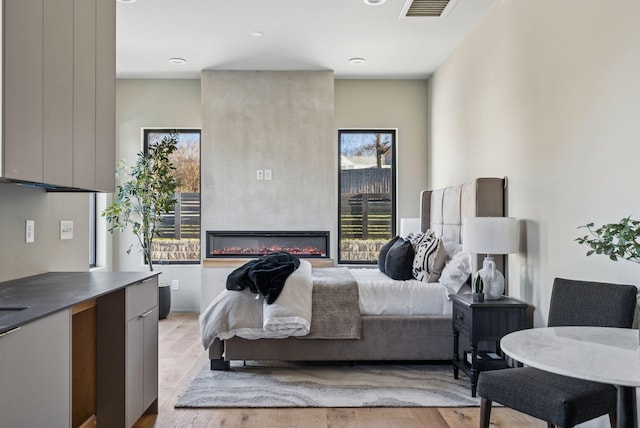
(382, 257)
(399, 261)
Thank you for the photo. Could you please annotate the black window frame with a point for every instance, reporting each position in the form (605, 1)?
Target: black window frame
(145, 145)
(93, 230)
(394, 190)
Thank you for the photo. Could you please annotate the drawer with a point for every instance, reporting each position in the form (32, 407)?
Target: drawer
(141, 297)
(461, 319)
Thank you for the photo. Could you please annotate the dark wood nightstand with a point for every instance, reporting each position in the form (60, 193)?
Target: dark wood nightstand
(483, 322)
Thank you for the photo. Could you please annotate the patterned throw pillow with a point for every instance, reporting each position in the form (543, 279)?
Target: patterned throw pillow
(429, 259)
(417, 238)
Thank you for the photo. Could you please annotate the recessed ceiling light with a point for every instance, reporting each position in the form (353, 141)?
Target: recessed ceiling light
(177, 61)
(257, 33)
(357, 60)
(127, 1)
(374, 2)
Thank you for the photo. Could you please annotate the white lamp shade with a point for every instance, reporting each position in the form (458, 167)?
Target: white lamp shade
(490, 235)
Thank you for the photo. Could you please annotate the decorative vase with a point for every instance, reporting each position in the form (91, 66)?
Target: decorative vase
(492, 279)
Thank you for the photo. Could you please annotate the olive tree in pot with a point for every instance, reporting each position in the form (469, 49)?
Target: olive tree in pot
(146, 193)
(619, 240)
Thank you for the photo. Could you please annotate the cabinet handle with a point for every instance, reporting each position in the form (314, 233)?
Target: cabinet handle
(10, 331)
(145, 314)
(146, 280)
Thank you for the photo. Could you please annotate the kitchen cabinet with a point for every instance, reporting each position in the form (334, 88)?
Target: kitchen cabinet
(127, 360)
(82, 348)
(57, 97)
(58, 118)
(83, 364)
(142, 349)
(105, 159)
(22, 89)
(35, 367)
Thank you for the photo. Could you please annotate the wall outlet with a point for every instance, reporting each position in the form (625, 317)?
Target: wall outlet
(66, 229)
(260, 174)
(175, 285)
(267, 174)
(30, 231)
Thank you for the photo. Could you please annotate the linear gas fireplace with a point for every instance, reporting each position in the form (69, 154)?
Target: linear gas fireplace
(257, 243)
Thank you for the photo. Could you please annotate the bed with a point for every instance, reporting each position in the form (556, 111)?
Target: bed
(386, 335)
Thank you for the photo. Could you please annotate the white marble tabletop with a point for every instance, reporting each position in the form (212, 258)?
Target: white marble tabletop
(601, 354)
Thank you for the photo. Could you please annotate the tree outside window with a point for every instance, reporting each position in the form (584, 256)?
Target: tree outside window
(178, 239)
(366, 207)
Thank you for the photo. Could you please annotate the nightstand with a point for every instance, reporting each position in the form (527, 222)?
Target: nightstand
(483, 322)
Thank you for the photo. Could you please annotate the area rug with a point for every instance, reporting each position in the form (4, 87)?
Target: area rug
(328, 385)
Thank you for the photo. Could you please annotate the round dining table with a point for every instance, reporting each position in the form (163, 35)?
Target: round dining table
(600, 354)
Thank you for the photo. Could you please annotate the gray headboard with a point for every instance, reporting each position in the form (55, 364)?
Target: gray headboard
(442, 210)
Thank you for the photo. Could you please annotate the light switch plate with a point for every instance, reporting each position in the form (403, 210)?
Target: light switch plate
(66, 229)
(267, 174)
(30, 231)
(260, 174)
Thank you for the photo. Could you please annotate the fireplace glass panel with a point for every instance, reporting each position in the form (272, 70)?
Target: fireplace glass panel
(252, 244)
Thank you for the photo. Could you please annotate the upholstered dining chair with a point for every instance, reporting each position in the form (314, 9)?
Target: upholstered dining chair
(559, 400)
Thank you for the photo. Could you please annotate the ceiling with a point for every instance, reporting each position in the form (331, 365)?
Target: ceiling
(296, 35)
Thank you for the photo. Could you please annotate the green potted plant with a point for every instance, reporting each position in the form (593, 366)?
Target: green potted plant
(145, 195)
(478, 288)
(616, 240)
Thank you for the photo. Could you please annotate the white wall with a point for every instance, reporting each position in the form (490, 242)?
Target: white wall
(162, 104)
(547, 93)
(48, 252)
(391, 104)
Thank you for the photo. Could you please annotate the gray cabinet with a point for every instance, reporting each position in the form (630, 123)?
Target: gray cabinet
(23, 89)
(141, 349)
(35, 365)
(105, 95)
(59, 93)
(57, 100)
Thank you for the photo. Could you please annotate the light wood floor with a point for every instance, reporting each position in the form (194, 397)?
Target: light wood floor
(182, 355)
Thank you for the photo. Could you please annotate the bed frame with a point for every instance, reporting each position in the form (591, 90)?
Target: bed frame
(387, 338)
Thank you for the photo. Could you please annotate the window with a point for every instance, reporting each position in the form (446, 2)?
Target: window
(367, 204)
(178, 239)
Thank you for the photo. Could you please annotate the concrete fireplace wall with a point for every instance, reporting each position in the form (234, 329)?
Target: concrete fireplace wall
(277, 120)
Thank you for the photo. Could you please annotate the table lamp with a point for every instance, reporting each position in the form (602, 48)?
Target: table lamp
(490, 235)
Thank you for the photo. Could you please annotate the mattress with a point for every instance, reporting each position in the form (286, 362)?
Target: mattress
(381, 295)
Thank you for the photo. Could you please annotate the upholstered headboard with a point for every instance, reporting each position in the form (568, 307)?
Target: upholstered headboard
(443, 210)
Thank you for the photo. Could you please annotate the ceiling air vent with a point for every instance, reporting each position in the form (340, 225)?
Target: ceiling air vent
(427, 8)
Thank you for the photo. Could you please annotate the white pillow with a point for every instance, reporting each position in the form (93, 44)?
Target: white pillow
(451, 247)
(456, 272)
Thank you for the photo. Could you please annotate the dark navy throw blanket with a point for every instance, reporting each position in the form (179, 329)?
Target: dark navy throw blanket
(265, 275)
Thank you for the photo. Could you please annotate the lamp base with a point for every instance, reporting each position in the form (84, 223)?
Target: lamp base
(492, 279)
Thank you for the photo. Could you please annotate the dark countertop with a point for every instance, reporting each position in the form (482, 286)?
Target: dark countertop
(51, 292)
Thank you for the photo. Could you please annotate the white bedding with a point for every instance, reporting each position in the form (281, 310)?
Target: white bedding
(240, 313)
(247, 315)
(381, 295)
